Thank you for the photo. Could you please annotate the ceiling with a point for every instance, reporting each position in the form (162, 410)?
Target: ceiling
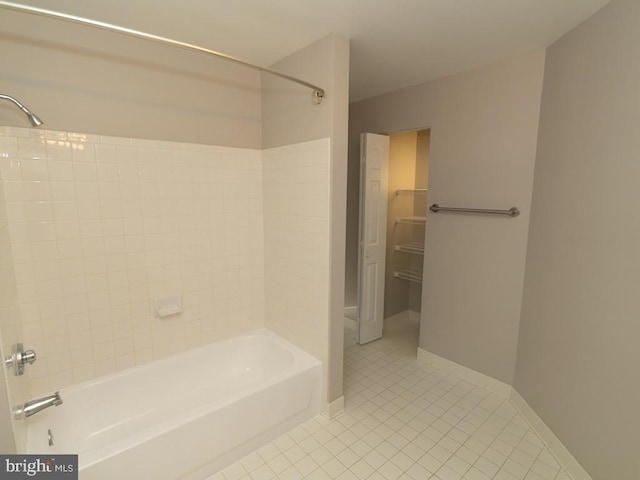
(394, 43)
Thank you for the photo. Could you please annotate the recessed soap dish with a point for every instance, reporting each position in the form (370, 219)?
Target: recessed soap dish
(167, 306)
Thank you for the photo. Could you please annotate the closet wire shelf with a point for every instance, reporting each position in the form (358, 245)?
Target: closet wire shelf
(415, 248)
(412, 220)
(418, 192)
(409, 275)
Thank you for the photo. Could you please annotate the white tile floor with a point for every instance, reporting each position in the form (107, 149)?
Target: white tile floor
(405, 420)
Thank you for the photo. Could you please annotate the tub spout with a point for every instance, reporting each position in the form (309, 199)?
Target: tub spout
(35, 406)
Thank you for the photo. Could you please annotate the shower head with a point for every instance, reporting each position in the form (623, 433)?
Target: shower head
(33, 118)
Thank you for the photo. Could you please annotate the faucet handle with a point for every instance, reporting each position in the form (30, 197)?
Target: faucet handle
(19, 358)
(29, 356)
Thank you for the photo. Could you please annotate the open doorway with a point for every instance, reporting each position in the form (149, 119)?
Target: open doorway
(392, 209)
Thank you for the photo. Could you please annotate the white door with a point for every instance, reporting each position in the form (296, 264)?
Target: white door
(374, 165)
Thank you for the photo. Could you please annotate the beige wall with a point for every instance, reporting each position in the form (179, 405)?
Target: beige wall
(353, 217)
(483, 141)
(290, 117)
(87, 80)
(578, 352)
(419, 210)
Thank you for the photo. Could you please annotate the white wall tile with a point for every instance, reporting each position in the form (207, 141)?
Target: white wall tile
(99, 225)
(296, 238)
(11, 328)
(59, 151)
(31, 148)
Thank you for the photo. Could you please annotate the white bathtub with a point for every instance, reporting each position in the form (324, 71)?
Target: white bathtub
(186, 416)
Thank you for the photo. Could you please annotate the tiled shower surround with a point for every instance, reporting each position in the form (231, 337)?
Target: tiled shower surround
(99, 226)
(296, 217)
(10, 325)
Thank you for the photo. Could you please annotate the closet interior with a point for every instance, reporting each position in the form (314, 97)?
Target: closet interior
(406, 223)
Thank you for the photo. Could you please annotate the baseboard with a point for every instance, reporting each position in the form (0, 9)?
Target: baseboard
(350, 315)
(405, 315)
(350, 323)
(351, 312)
(472, 376)
(333, 409)
(555, 446)
(398, 316)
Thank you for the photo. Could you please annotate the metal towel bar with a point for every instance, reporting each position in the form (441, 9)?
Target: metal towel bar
(512, 212)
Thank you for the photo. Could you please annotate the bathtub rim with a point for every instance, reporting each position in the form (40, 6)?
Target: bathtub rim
(298, 353)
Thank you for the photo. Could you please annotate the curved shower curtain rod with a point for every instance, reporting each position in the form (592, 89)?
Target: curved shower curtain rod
(317, 92)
